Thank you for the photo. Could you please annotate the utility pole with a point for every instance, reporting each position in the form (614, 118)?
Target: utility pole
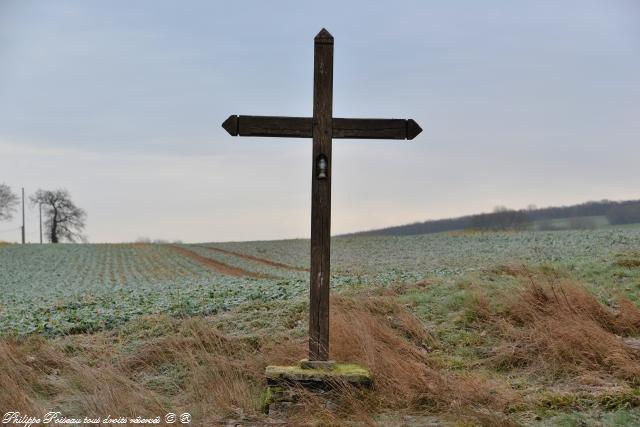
(23, 215)
(40, 207)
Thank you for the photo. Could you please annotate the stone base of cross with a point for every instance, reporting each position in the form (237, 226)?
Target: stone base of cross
(322, 127)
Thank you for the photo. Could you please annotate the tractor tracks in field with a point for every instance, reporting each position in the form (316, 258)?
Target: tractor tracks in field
(255, 259)
(219, 266)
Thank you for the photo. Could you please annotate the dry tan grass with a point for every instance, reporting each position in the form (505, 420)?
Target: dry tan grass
(221, 377)
(552, 328)
(17, 379)
(37, 375)
(384, 336)
(630, 262)
(557, 328)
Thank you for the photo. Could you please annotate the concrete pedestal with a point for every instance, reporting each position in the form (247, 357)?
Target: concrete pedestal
(284, 382)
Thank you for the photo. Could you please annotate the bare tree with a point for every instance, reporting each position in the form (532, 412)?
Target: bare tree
(8, 202)
(63, 219)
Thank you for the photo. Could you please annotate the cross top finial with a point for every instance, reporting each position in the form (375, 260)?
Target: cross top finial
(323, 36)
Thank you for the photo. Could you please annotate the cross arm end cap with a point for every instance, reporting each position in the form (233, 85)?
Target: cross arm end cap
(413, 129)
(231, 125)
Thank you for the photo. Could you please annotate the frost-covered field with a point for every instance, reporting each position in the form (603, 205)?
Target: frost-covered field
(76, 288)
(388, 259)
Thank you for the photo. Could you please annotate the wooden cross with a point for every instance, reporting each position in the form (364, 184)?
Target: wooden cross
(322, 127)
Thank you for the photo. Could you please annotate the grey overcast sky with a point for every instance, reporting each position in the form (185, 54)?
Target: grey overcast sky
(121, 102)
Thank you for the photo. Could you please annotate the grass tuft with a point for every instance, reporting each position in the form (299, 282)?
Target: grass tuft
(558, 329)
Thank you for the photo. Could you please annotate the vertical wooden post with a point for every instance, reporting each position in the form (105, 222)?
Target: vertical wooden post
(321, 197)
(322, 128)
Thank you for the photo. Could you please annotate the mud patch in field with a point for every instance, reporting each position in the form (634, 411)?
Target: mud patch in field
(217, 265)
(256, 259)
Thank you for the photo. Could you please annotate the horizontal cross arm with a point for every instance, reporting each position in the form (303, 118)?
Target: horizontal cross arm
(375, 128)
(302, 127)
(286, 127)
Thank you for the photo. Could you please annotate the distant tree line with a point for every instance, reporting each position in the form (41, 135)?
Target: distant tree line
(426, 227)
(501, 219)
(603, 207)
(626, 212)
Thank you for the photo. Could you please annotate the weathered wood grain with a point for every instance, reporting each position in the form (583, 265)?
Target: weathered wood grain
(283, 127)
(370, 128)
(321, 197)
(302, 127)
